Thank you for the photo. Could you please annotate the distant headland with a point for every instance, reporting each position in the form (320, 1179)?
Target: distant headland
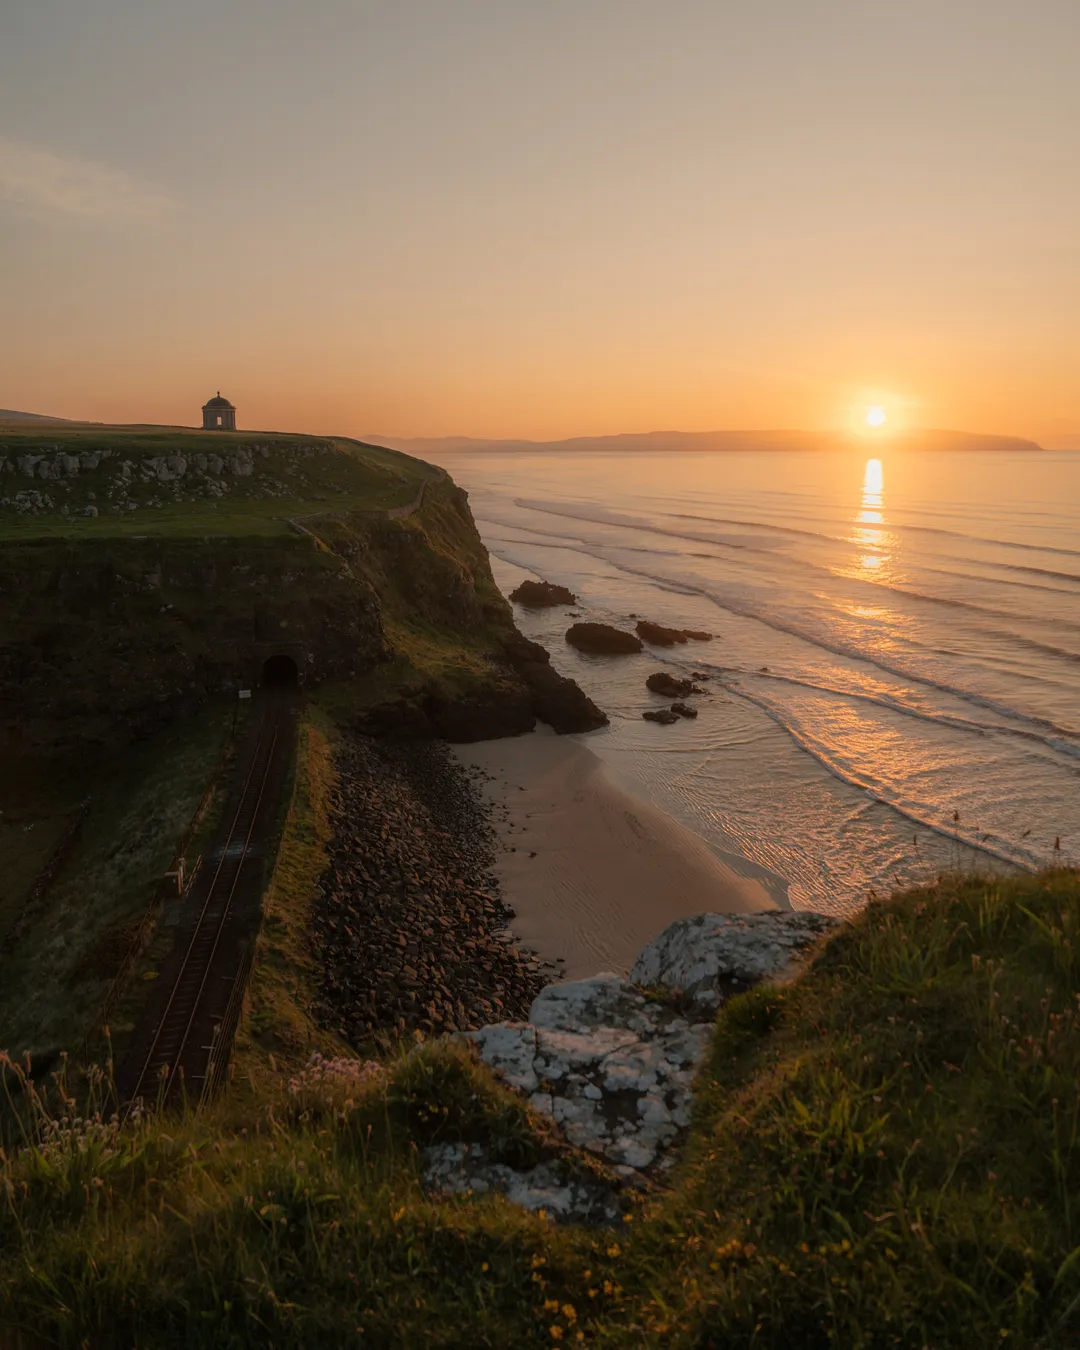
(658, 441)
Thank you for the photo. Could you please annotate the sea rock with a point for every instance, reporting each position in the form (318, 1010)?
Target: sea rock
(542, 594)
(671, 686)
(683, 710)
(709, 956)
(665, 716)
(660, 636)
(602, 639)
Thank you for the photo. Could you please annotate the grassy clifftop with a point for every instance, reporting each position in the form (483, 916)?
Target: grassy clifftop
(886, 1153)
(89, 482)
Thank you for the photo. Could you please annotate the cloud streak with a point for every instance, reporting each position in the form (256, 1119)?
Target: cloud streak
(35, 181)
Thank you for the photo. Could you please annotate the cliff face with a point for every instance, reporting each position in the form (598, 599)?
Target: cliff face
(109, 637)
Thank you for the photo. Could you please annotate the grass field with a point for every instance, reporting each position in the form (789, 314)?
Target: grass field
(298, 475)
(884, 1154)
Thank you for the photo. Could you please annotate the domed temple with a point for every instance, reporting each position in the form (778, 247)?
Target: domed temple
(218, 414)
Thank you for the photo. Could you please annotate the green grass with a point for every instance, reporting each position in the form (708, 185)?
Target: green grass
(886, 1153)
(354, 476)
(52, 980)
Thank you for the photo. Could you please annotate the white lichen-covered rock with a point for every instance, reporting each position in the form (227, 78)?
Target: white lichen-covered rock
(557, 1189)
(610, 1066)
(710, 956)
(612, 1061)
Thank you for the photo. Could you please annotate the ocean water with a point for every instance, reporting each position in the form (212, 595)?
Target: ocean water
(895, 673)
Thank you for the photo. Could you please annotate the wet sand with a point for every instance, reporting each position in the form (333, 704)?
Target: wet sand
(594, 872)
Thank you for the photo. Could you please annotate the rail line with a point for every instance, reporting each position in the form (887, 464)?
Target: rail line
(179, 1045)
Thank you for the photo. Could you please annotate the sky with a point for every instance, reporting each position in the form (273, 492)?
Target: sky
(542, 218)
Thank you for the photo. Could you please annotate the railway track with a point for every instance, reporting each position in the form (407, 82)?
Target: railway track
(180, 1048)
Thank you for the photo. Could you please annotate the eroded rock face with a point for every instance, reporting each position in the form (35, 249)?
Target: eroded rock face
(612, 1061)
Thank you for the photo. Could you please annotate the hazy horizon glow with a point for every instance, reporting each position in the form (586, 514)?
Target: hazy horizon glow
(491, 218)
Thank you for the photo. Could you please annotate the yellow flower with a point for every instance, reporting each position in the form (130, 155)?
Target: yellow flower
(569, 1312)
(551, 1305)
(485, 1266)
(556, 1333)
(613, 1250)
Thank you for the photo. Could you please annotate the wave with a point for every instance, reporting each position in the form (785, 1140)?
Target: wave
(613, 521)
(917, 813)
(1058, 743)
(834, 647)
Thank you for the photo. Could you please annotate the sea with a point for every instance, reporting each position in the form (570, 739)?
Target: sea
(894, 676)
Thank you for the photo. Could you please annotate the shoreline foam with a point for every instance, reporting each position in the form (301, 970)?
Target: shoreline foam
(592, 871)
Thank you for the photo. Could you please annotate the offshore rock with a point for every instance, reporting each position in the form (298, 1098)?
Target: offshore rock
(601, 639)
(671, 686)
(542, 595)
(660, 636)
(665, 716)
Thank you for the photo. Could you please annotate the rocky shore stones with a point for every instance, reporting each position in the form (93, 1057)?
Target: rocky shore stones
(659, 636)
(683, 710)
(408, 921)
(665, 716)
(671, 686)
(601, 639)
(542, 595)
(709, 956)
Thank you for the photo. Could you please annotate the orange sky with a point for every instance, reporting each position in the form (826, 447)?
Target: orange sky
(508, 219)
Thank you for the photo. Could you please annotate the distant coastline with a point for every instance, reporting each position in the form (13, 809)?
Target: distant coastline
(665, 441)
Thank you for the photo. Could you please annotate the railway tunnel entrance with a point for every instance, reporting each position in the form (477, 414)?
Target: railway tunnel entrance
(280, 672)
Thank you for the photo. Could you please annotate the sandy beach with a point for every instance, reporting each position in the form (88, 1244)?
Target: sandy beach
(594, 872)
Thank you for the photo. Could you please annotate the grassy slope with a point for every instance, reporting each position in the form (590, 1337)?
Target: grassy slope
(886, 1153)
(141, 801)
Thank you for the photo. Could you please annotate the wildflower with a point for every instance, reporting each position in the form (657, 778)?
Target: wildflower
(556, 1333)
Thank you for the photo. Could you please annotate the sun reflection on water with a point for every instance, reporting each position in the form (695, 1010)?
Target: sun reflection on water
(874, 540)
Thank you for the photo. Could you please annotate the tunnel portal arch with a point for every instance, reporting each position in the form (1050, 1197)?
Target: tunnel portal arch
(280, 672)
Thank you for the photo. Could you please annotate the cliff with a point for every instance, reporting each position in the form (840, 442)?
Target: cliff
(141, 574)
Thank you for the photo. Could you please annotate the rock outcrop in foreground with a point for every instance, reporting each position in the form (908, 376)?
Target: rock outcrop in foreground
(612, 1060)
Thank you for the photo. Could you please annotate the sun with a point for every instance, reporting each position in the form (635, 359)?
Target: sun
(876, 416)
